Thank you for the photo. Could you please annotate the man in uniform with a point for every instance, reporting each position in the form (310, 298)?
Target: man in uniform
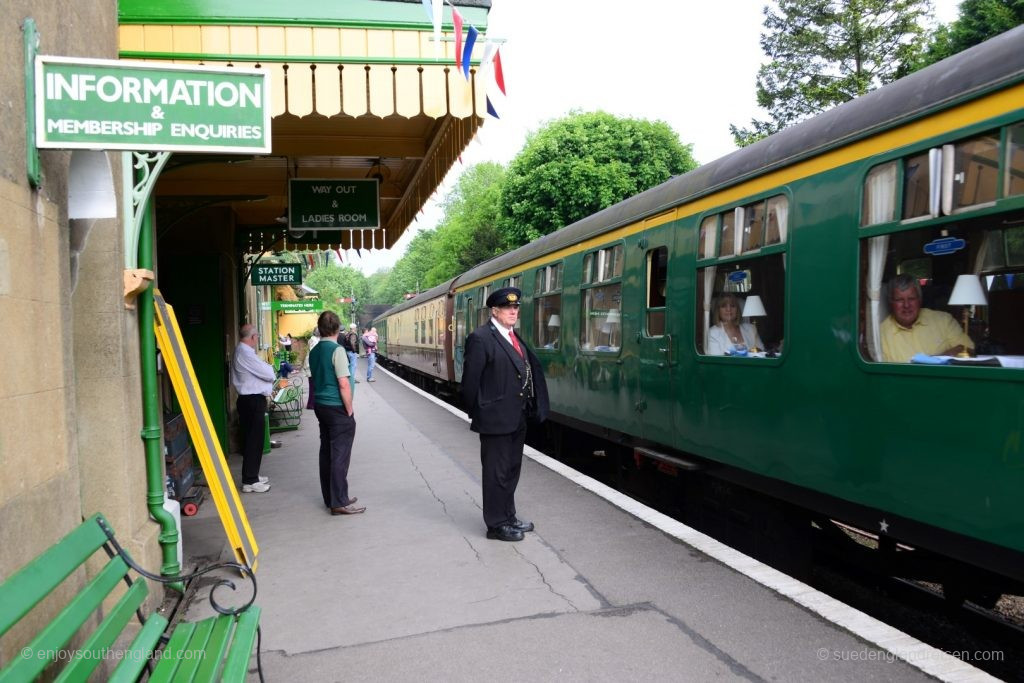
(502, 387)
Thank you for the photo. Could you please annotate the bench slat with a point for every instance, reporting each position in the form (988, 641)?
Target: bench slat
(59, 631)
(215, 648)
(167, 666)
(237, 663)
(105, 634)
(138, 653)
(33, 582)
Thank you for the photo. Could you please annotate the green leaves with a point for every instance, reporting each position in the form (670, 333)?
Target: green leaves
(825, 52)
(580, 164)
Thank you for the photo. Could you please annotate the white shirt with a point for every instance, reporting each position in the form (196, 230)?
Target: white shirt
(505, 332)
(249, 373)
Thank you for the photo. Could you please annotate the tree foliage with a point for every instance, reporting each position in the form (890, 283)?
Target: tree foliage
(825, 52)
(979, 20)
(469, 232)
(580, 164)
(337, 282)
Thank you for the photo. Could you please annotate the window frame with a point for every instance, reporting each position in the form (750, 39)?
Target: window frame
(1003, 203)
(541, 293)
(764, 251)
(589, 282)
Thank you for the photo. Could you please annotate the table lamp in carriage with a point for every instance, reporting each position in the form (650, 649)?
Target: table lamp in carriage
(967, 292)
(614, 318)
(753, 308)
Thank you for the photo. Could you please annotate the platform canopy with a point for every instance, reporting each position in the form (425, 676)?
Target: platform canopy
(359, 90)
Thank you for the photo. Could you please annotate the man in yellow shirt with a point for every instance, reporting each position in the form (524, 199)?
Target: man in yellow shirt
(910, 329)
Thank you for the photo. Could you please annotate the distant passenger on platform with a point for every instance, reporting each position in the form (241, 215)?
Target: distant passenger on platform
(333, 408)
(351, 344)
(728, 334)
(370, 344)
(253, 379)
(911, 329)
(502, 388)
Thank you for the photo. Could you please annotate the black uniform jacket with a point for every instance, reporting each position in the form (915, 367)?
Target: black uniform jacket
(493, 375)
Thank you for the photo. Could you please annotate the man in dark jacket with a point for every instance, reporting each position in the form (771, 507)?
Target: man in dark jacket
(502, 387)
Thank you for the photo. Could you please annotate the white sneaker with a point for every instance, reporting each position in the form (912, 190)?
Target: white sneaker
(264, 480)
(258, 487)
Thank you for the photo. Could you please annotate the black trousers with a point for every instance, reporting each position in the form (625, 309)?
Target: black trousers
(501, 459)
(251, 409)
(337, 431)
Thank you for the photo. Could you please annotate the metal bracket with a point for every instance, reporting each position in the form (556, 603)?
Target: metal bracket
(32, 166)
(145, 166)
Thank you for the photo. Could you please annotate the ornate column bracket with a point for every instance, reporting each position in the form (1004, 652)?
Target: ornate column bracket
(146, 167)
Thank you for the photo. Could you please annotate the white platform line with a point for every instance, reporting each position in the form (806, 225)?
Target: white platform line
(928, 659)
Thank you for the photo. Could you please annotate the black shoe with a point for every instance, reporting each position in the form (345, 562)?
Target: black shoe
(520, 525)
(505, 532)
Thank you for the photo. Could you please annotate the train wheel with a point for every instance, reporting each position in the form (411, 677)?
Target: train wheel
(189, 509)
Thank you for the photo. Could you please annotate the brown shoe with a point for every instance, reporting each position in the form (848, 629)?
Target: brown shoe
(349, 509)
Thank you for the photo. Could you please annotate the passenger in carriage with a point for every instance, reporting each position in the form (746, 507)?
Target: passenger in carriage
(911, 329)
(728, 335)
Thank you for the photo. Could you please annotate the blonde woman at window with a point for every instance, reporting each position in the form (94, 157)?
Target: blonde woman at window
(728, 334)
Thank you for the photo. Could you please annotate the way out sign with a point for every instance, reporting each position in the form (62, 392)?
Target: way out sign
(333, 204)
(110, 104)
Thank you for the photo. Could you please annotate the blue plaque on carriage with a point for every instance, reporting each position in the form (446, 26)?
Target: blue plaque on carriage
(944, 245)
(737, 276)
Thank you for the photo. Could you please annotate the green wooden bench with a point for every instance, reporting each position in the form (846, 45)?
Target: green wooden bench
(213, 649)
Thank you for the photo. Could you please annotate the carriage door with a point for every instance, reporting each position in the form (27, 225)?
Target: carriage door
(656, 347)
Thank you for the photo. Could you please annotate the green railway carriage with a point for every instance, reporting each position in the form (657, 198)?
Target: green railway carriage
(923, 177)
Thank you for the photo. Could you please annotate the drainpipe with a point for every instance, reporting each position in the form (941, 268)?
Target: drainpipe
(151, 422)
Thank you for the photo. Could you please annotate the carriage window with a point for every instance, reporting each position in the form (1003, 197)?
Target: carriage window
(728, 240)
(601, 315)
(547, 299)
(917, 183)
(975, 169)
(879, 195)
(708, 233)
(513, 281)
(1015, 161)
(740, 302)
(430, 325)
(965, 293)
(483, 314)
(657, 281)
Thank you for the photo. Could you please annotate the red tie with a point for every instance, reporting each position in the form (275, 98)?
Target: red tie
(515, 344)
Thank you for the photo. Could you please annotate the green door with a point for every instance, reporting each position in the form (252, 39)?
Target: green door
(656, 348)
(192, 284)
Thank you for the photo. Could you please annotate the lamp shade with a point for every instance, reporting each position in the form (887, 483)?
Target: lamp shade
(753, 307)
(967, 292)
(614, 317)
(554, 320)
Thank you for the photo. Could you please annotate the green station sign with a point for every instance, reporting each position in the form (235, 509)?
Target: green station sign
(277, 274)
(310, 306)
(111, 104)
(316, 206)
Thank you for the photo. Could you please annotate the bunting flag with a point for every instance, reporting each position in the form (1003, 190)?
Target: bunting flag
(467, 52)
(457, 21)
(428, 7)
(488, 52)
(341, 259)
(495, 87)
(438, 10)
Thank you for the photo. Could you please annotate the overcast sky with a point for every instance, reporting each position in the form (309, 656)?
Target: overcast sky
(690, 63)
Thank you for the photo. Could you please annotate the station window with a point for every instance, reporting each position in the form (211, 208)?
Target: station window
(601, 315)
(741, 279)
(547, 306)
(946, 286)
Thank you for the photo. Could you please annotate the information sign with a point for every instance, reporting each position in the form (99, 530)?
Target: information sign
(114, 104)
(310, 306)
(277, 274)
(321, 205)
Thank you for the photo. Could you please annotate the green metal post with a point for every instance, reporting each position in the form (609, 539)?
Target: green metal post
(151, 412)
